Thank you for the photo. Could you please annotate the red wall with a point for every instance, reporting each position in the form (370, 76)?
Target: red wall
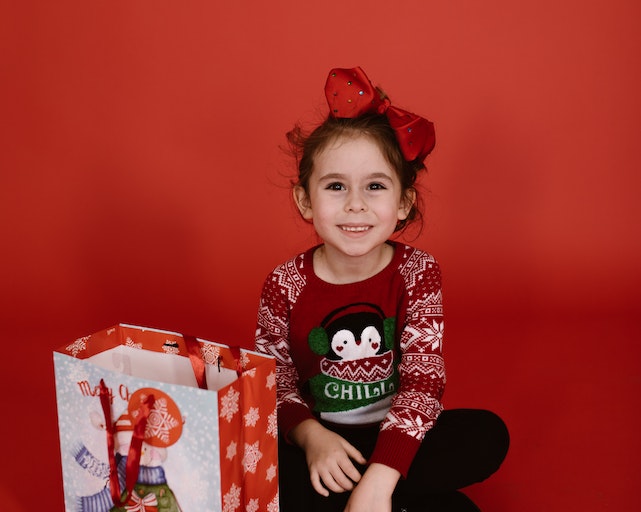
(141, 181)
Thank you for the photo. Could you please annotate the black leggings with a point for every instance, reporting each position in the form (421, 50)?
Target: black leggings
(464, 447)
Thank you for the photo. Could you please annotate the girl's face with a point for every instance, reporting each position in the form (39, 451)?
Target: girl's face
(354, 198)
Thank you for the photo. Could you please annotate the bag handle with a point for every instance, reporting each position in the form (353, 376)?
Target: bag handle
(235, 352)
(135, 447)
(196, 358)
(198, 364)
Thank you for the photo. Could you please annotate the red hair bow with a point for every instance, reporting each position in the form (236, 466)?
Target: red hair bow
(351, 94)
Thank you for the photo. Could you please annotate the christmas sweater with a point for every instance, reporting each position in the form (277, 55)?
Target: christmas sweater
(361, 353)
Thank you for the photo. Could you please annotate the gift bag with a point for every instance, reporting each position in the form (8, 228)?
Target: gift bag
(151, 420)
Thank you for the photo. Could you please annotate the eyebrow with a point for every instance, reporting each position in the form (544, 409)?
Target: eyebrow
(340, 176)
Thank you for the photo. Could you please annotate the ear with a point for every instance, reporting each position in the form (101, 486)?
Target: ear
(389, 331)
(318, 341)
(302, 202)
(407, 201)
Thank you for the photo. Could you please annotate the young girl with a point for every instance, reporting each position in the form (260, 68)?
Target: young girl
(356, 327)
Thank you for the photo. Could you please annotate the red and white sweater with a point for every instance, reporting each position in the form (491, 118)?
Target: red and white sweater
(359, 353)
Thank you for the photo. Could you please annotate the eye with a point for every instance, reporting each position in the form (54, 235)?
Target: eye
(376, 186)
(343, 337)
(335, 186)
(371, 335)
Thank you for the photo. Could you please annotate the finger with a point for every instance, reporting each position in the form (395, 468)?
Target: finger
(354, 454)
(330, 483)
(342, 479)
(317, 485)
(351, 472)
(334, 479)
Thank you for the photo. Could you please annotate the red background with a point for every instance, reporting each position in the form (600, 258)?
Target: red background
(142, 181)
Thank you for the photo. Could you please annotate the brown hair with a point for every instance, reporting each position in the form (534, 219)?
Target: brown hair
(305, 147)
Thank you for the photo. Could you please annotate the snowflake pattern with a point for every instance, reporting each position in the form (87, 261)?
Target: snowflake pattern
(78, 346)
(412, 426)
(160, 422)
(229, 404)
(251, 457)
(231, 500)
(259, 461)
(273, 505)
(132, 344)
(211, 353)
(435, 335)
(77, 374)
(272, 424)
(170, 348)
(271, 473)
(271, 380)
(252, 417)
(232, 449)
(252, 505)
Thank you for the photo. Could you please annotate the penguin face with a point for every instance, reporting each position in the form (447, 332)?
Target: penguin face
(355, 336)
(345, 345)
(371, 341)
(347, 336)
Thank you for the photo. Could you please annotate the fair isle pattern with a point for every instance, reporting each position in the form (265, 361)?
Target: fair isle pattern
(415, 285)
(269, 322)
(281, 291)
(418, 409)
(289, 378)
(370, 370)
(415, 265)
(290, 278)
(416, 405)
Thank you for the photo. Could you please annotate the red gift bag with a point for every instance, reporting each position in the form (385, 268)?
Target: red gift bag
(151, 418)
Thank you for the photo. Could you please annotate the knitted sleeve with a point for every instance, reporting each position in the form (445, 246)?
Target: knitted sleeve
(422, 375)
(272, 337)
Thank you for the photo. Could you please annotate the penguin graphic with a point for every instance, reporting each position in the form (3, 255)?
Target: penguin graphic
(357, 370)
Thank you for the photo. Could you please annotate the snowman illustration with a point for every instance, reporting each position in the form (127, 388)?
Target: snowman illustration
(151, 493)
(357, 371)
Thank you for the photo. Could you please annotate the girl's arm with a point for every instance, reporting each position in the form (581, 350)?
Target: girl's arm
(374, 491)
(422, 375)
(329, 456)
(272, 337)
(422, 378)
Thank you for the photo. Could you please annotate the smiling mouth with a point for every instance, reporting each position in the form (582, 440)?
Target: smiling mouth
(355, 229)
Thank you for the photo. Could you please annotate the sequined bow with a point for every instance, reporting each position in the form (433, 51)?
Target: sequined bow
(351, 94)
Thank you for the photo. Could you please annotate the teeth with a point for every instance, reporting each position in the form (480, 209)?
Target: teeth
(355, 228)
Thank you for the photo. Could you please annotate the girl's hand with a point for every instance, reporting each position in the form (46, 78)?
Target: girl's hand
(329, 457)
(374, 492)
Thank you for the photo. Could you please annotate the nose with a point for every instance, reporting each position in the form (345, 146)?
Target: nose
(355, 202)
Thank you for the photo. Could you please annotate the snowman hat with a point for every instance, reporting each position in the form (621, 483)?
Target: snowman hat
(164, 423)
(124, 423)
